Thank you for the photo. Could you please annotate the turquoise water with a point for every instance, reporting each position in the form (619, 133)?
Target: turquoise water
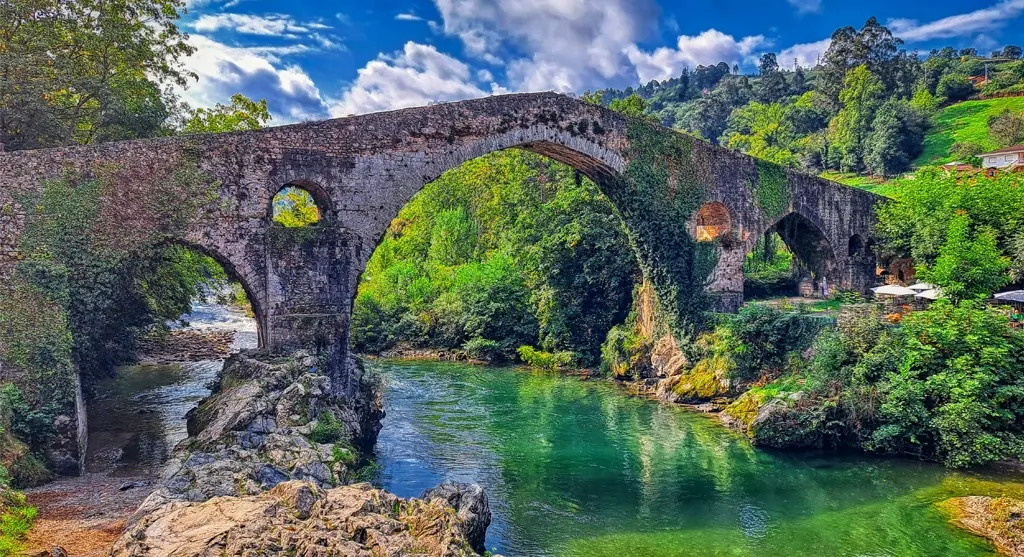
(578, 468)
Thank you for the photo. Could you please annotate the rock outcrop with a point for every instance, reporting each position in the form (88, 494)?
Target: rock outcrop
(300, 518)
(1001, 520)
(263, 472)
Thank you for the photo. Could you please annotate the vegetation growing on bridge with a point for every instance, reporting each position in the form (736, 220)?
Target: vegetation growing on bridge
(95, 274)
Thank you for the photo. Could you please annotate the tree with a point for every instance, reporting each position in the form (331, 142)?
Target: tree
(873, 46)
(1012, 51)
(862, 95)
(897, 136)
(765, 131)
(967, 267)
(79, 71)
(954, 87)
(242, 114)
(709, 116)
(633, 105)
(772, 85)
(1007, 128)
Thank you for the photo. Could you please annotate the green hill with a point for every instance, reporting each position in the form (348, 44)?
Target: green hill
(964, 122)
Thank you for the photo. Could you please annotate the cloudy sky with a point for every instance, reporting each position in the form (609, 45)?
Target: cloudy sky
(314, 59)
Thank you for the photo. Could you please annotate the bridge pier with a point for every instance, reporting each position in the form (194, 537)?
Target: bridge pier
(309, 297)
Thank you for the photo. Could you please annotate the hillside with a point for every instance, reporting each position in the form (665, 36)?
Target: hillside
(964, 122)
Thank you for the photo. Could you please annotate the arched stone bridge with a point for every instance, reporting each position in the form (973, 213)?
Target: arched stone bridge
(363, 169)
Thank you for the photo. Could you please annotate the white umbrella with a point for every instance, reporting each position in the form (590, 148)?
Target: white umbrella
(1012, 296)
(932, 294)
(922, 286)
(893, 290)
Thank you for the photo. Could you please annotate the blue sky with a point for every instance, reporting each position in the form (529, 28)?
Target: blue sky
(318, 59)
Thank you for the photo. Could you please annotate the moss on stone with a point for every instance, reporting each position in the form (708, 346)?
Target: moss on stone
(745, 408)
(773, 190)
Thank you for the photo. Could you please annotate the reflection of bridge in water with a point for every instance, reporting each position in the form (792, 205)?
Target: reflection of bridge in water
(362, 170)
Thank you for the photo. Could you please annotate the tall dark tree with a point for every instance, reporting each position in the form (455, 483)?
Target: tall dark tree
(772, 85)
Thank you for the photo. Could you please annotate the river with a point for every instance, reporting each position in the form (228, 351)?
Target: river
(577, 467)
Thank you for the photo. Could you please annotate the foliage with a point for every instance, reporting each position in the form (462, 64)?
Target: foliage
(895, 139)
(294, 207)
(862, 95)
(967, 267)
(1007, 128)
(764, 336)
(444, 275)
(82, 71)
(328, 429)
(954, 88)
(34, 426)
(242, 114)
(546, 360)
(773, 191)
(16, 518)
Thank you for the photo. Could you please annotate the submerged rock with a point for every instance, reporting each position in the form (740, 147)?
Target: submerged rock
(300, 518)
(1001, 520)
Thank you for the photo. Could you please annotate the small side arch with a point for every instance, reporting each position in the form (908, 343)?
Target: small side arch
(856, 246)
(317, 195)
(712, 221)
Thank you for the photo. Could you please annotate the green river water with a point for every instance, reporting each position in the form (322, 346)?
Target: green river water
(578, 468)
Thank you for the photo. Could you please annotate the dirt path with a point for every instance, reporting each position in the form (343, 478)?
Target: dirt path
(83, 515)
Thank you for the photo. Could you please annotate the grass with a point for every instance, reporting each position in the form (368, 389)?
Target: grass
(963, 122)
(15, 522)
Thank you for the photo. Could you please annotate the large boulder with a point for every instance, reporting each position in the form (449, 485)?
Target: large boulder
(470, 502)
(299, 518)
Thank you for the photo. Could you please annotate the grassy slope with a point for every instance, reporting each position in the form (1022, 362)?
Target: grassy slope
(966, 121)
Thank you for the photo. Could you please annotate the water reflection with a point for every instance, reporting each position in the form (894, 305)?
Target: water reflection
(577, 468)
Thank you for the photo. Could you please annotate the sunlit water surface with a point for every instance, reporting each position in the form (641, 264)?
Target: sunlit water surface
(138, 416)
(578, 468)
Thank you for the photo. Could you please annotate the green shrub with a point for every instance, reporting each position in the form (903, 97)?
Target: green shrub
(327, 429)
(483, 349)
(546, 360)
(764, 336)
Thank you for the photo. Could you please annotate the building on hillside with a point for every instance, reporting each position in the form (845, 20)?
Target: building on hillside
(958, 168)
(978, 81)
(1010, 159)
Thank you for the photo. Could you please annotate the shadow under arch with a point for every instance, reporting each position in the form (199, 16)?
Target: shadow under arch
(255, 301)
(804, 235)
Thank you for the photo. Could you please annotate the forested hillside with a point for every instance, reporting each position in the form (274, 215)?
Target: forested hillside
(865, 108)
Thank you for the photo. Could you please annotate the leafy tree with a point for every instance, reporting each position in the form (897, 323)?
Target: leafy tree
(1012, 52)
(1007, 128)
(294, 208)
(874, 47)
(242, 114)
(967, 267)
(709, 117)
(764, 131)
(861, 97)
(954, 87)
(81, 71)
(1017, 253)
(772, 85)
(896, 138)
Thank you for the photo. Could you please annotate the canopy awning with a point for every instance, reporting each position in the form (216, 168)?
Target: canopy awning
(893, 290)
(1015, 296)
(922, 286)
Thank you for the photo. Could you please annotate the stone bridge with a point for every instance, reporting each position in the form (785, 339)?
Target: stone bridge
(362, 170)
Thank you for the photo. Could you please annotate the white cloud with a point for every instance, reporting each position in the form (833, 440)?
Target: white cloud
(256, 72)
(271, 25)
(710, 47)
(806, 54)
(986, 19)
(806, 6)
(418, 75)
(408, 17)
(565, 45)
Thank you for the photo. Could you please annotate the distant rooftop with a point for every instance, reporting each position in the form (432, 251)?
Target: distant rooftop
(1014, 149)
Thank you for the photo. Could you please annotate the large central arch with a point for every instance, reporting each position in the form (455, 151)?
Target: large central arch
(364, 169)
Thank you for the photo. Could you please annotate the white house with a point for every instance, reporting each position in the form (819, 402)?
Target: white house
(1010, 159)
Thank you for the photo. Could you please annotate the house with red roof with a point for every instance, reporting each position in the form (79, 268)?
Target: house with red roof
(1010, 159)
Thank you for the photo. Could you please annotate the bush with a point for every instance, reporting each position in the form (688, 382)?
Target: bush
(764, 336)
(327, 429)
(954, 88)
(546, 360)
(483, 349)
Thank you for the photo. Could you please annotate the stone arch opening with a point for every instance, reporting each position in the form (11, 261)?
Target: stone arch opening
(712, 221)
(813, 255)
(457, 244)
(856, 246)
(234, 276)
(300, 203)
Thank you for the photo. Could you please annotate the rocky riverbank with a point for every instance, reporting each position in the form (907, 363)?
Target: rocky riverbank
(265, 468)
